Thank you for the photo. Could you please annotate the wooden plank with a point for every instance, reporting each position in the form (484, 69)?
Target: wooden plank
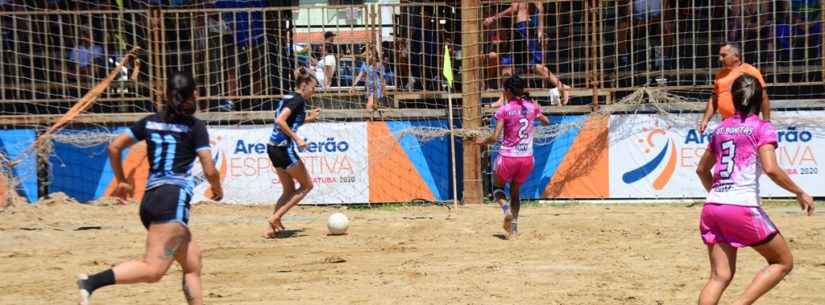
(236, 116)
(805, 104)
(471, 117)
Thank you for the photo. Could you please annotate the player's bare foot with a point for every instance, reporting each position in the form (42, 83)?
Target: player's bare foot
(513, 229)
(508, 223)
(275, 226)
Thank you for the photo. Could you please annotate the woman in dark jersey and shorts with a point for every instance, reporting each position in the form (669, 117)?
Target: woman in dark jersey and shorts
(289, 116)
(174, 138)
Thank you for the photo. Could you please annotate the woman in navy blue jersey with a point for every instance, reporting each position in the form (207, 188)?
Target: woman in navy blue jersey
(174, 138)
(289, 116)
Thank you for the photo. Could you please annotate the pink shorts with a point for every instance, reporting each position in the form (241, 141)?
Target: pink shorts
(514, 169)
(738, 226)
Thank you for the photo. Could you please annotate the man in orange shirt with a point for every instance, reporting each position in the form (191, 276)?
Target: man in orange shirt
(731, 57)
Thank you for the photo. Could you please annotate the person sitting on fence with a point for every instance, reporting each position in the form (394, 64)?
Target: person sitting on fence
(373, 69)
(499, 59)
(527, 45)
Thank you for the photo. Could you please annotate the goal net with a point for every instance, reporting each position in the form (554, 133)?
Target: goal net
(385, 134)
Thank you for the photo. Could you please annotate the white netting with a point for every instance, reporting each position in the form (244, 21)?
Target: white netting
(652, 59)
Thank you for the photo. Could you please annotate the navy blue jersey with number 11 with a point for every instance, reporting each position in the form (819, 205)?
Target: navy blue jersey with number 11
(172, 148)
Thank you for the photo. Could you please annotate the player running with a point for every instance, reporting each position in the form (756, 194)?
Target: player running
(515, 159)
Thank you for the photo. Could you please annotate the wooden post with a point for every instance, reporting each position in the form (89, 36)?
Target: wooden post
(593, 12)
(156, 73)
(471, 97)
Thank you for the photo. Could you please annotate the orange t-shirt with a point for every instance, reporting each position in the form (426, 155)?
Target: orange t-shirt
(723, 82)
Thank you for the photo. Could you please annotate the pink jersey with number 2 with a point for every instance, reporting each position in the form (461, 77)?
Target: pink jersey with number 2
(735, 143)
(517, 116)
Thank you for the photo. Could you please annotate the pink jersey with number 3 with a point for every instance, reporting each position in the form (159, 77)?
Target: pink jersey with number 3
(517, 116)
(735, 143)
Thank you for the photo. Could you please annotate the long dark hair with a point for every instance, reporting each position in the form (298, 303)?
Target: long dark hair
(515, 85)
(180, 96)
(747, 95)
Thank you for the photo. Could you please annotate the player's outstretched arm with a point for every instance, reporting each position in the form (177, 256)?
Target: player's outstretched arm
(499, 102)
(509, 11)
(355, 83)
(281, 122)
(767, 156)
(766, 107)
(710, 109)
(493, 137)
(313, 115)
(211, 173)
(703, 169)
(115, 149)
(543, 118)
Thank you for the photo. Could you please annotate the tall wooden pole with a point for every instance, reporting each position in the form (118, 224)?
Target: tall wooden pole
(156, 50)
(471, 97)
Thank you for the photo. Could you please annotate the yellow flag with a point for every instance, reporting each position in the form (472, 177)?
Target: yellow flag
(448, 67)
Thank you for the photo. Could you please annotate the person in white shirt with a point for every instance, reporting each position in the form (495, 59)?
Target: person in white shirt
(325, 67)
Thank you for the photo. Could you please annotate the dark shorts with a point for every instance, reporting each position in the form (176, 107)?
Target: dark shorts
(282, 157)
(527, 43)
(165, 203)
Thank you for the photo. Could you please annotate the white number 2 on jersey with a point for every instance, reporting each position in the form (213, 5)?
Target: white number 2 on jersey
(522, 130)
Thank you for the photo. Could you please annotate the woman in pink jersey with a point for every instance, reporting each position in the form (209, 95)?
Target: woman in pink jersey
(515, 159)
(740, 149)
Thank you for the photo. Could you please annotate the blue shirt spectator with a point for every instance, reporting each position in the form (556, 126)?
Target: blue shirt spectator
(240, 21)
(85, 54)
(372, 82)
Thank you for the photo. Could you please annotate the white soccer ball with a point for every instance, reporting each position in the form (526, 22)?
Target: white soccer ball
(337, 224)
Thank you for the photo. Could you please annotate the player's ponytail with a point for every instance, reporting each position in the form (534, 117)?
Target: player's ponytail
(180, 96)
(302, 75)
(747, 95)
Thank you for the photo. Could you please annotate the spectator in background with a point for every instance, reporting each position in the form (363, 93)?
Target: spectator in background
(248, 28)
(210, 31)
(325, 68)
(402, 51)
(373, 69)
(499, 59)
(527, 43)
(85, 55)
(730, 55)
(753, 19)
(646, 24)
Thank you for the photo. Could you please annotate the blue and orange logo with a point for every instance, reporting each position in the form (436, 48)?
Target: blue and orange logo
(649, 167)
